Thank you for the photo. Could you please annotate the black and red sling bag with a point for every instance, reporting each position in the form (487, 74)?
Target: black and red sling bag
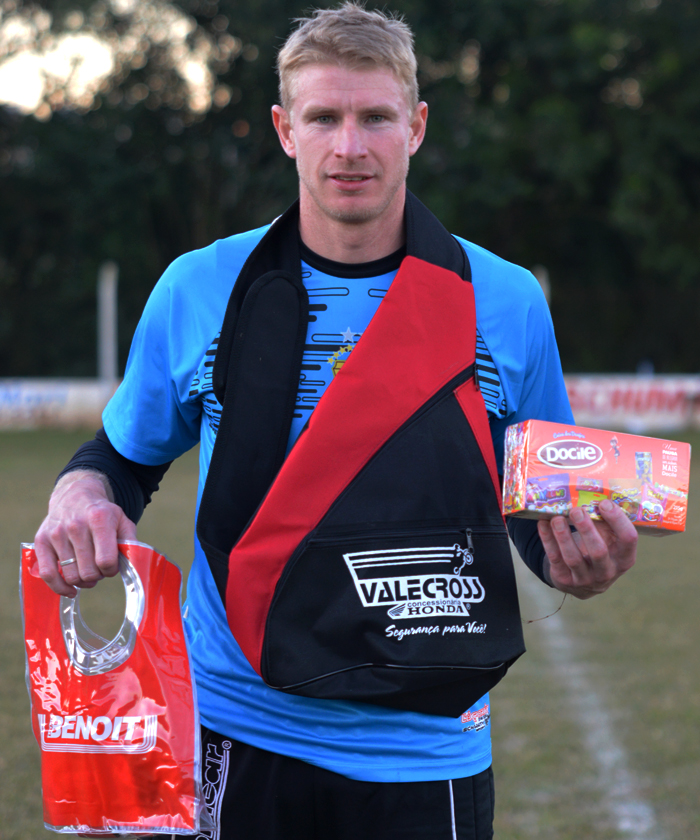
(372, 563)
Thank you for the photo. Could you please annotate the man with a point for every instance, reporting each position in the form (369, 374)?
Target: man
(305, 766)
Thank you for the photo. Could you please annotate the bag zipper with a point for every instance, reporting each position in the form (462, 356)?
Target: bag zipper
(464, 534)
(362, 535)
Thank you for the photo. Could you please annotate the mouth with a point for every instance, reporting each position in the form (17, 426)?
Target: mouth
(347, 182)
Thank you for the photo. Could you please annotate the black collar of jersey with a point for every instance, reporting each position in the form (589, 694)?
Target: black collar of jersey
(352, 271)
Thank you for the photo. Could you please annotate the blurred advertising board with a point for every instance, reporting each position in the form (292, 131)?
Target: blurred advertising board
(64, 403)
(623, 402)
(635, 403)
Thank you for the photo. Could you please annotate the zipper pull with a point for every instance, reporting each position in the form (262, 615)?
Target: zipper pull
(470, 547)
(466, 555)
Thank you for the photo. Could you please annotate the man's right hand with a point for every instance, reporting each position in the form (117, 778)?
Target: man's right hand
(83, 524)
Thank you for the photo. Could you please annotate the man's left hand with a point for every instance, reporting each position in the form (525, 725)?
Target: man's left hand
(587, 561)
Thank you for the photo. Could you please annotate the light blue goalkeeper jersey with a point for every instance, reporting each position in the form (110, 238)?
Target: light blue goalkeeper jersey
(166, 405)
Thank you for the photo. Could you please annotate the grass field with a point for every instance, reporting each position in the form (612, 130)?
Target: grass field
(595, 729)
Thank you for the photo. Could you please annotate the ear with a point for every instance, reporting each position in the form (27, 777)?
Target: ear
(418, 124)
(285, 132)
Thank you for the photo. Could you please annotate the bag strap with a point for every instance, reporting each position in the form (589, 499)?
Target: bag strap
(262, 378)
(257, 368)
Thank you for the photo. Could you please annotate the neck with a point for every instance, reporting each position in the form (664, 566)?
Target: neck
(352, 242)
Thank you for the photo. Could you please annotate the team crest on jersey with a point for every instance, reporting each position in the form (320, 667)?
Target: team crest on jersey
(336, 361)
(101, 734)
(416, 582)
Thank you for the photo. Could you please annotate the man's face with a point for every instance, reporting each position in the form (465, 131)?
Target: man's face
(351, 133)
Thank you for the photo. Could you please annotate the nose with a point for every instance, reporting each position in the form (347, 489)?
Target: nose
(349, 142)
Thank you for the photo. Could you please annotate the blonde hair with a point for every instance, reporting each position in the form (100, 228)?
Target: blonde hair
(349, 36)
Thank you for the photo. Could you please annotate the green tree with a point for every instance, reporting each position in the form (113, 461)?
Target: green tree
(561, 132)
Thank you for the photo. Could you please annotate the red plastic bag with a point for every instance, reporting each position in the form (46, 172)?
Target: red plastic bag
(116, 720)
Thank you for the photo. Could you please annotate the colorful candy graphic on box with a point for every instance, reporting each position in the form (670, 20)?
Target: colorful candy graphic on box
(643, 463)
(548, 493)
(550, 468)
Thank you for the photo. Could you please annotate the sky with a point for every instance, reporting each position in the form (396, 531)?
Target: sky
(42, 69)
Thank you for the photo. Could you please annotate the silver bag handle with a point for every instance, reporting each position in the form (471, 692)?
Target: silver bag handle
(90, 653)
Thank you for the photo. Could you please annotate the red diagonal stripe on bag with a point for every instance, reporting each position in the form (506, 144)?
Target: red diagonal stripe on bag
(421, 337)
(475, 412)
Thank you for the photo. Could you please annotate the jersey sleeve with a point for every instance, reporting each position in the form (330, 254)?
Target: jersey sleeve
(541, 393)
(516, 325)
(151, 419)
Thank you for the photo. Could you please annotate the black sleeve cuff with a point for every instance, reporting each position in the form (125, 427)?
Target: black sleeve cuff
(527, 540)
(133, 484)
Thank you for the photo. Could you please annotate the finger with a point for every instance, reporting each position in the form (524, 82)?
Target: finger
(47, 560)
(127, 529)
(104, 526)
(65, 552)
(551, 546)
(83, 550)
(592, 547)
(559, 572)
(626, 537)
(569, 551)
(70, 571)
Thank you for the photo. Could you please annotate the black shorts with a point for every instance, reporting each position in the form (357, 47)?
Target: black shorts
(253, 794)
